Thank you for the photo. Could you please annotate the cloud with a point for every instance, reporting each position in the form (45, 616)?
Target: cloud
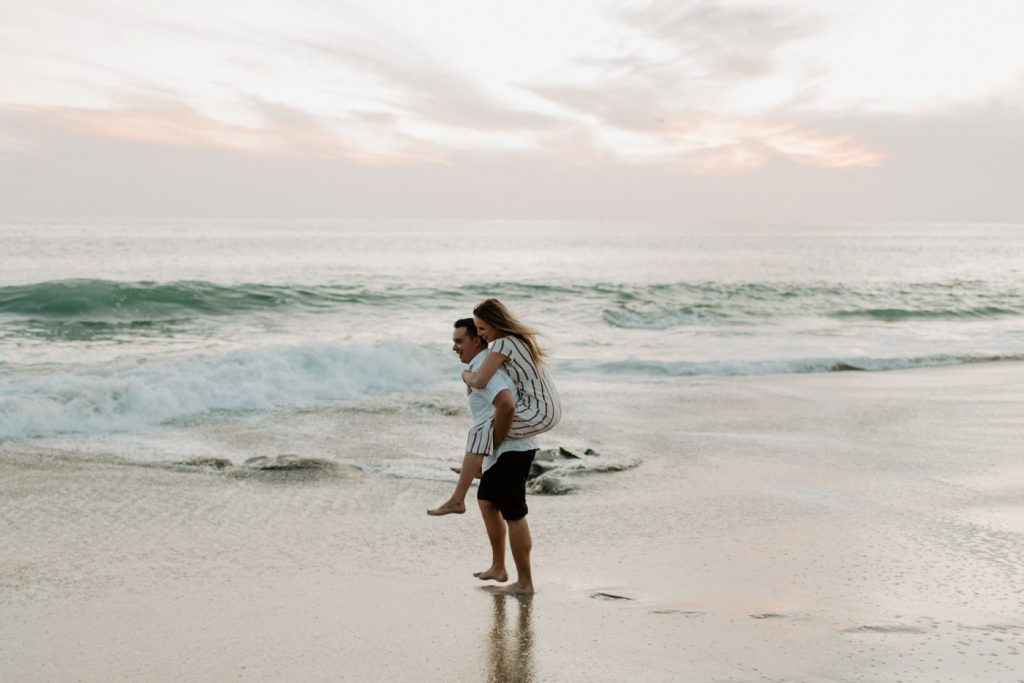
(630, 106)
(354, 84)
(677, 109)
(730, 145)
(682, 89)
(721, 41)
(287, 132)
(696, 53)
(728, 41)
(430, 92)
(672, 57)
(964, 166)
(340, 91)
(637, 128)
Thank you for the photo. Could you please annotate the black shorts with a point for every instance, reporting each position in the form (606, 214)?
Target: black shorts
(504, 484)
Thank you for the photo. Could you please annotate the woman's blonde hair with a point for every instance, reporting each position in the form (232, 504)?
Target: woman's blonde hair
(497, 315)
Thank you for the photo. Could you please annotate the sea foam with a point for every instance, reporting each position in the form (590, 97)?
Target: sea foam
(656, 368)
(140, 394)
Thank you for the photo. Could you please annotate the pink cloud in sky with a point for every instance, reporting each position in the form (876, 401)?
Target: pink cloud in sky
(697, 144)
(281, 135)
(713, 144)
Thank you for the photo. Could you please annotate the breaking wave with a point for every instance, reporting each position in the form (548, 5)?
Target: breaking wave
(141, 301)
(132, 396)
(640, 306)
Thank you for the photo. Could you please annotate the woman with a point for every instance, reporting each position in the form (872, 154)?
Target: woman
(514, 347)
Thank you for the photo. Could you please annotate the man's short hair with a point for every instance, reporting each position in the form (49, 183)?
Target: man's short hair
(469, 325)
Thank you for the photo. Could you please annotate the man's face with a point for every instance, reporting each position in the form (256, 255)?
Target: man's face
(466, 346)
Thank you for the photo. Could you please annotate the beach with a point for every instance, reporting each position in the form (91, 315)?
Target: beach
(276, 276)
(844, 526)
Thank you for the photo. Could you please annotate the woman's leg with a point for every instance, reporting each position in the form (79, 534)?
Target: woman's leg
(535, 415)
(456, 504)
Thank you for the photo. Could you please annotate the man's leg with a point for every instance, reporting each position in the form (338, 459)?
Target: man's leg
(517, 468)
(456, 504)
(495, 526)
(522, 543)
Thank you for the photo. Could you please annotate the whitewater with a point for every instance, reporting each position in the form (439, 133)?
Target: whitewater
(115, 327)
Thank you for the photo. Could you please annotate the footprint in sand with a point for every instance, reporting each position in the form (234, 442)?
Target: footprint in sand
(893, 628)
(606, 595)
(1002, 628)
(610, 596)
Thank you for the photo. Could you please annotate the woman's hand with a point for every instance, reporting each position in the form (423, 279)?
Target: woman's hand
(483, 374)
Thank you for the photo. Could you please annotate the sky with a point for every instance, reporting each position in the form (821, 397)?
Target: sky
(693, 111)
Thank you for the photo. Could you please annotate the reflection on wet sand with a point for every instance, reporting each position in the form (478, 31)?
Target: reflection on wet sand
(510, 645)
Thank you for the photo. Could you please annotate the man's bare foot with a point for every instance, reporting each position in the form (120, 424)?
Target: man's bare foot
(492, 574)
(458, 470)
(449, 507)
(513, 589)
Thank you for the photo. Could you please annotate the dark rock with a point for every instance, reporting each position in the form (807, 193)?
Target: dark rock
(547, 485)
(546, 455)
(539, 468)
(288, 461)
(215, 463)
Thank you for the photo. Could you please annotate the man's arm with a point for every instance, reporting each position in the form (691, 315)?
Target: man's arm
(504, 409)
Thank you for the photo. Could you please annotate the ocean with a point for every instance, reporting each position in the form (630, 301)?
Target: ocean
(221, 438)
(116, 335)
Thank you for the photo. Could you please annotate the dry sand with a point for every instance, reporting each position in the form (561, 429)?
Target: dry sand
(841, 527)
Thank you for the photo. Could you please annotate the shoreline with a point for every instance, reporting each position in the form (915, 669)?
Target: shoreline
(823, 527)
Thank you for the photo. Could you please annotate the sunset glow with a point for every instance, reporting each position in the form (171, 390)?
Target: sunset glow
(719, 88)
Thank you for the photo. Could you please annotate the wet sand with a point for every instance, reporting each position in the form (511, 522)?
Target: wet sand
(840, 527)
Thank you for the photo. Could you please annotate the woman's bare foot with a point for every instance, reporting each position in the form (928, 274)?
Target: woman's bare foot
(458, 470)
(492, 574)
(449, 507)
(512, 589)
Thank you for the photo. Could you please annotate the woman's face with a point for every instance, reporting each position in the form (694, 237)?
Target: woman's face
(485, 330)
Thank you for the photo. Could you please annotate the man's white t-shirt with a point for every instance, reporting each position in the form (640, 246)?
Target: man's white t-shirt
(481, 405)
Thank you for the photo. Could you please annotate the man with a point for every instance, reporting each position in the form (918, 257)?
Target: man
(502, 466)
